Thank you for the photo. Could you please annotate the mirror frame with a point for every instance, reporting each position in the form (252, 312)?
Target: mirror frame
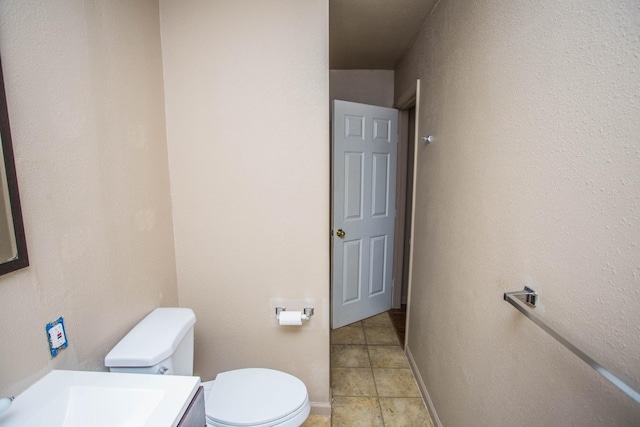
(22, 259)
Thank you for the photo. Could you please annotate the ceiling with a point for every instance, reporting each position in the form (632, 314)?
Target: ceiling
(373, 34)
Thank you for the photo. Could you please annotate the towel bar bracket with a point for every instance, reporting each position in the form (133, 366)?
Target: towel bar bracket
(527, 296)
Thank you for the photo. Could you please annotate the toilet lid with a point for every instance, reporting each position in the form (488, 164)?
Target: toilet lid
(254, 396)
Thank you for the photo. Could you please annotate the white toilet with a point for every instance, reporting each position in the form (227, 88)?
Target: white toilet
(162, 343)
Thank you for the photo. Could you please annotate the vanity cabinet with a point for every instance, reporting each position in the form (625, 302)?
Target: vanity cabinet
(195, 415)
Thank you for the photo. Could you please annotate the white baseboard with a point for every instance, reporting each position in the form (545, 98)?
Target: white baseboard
(423, 388)
(321, 408)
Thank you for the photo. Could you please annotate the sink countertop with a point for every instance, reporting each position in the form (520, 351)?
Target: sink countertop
(107, 399)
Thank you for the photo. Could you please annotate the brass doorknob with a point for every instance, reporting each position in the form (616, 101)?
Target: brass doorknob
(340, 232)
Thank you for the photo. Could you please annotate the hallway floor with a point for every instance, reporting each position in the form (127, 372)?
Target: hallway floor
(371, 380)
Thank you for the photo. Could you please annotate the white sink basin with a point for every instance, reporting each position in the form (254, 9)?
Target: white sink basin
(102, 399)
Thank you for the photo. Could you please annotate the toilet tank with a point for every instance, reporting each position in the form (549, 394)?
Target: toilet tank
(162, 343)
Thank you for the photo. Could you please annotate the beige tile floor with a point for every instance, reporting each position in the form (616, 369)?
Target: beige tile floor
(371, 380)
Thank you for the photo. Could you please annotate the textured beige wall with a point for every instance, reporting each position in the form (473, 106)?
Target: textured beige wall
(374, 87)
(85, 94)
(247, 92)
(533, 178)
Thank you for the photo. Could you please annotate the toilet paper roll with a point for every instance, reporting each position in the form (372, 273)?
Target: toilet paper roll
(290, 318)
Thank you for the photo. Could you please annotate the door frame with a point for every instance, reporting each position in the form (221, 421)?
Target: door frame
(410, 99)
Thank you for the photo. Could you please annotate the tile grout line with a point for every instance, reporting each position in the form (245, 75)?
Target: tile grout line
(375, 384)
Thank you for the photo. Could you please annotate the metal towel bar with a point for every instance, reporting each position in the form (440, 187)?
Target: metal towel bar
(530, 297)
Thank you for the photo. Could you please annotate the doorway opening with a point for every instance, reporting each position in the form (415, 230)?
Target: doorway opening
(397, 305)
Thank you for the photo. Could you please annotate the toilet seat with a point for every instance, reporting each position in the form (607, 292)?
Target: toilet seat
(256, 397)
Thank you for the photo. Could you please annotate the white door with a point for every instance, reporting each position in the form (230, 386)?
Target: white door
(365, 144)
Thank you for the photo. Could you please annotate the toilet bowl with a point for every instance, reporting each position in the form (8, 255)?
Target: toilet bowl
(162, 343)
(256, 397)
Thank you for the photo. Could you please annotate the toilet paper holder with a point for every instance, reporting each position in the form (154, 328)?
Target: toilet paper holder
(307, 312)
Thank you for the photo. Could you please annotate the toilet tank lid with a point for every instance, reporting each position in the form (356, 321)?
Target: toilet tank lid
(152, 340)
